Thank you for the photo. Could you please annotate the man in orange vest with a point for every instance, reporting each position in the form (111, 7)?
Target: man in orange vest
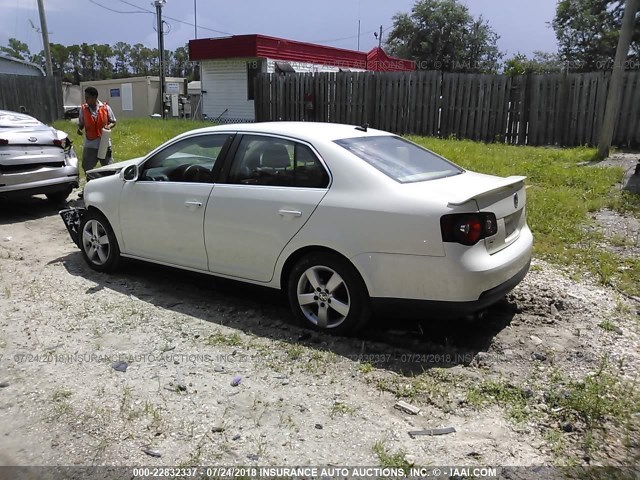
(95, 116)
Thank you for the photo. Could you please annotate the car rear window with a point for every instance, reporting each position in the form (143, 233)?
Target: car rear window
(403, 161)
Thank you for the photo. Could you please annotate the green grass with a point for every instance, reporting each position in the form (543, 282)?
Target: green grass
(231, 340)
(599, 397)
(390, 460)
(600, 406)
(561, 194)
(135, 137)
(510, 397)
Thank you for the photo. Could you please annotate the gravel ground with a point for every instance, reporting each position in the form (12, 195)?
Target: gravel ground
(621, 232)
(302, 398)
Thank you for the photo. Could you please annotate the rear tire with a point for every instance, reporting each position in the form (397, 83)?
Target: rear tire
(326, 293)
(98, 243)
(59, 197)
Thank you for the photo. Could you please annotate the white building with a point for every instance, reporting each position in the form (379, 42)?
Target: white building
(229, 65)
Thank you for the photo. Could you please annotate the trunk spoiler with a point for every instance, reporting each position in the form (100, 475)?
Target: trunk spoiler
(498, 185)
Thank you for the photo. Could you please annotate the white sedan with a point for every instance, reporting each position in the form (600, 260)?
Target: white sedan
(348, 221)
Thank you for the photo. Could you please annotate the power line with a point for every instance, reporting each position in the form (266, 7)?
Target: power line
(111, 9)
(177, 19)
(351, 37)
(136, 6)
(341, 39)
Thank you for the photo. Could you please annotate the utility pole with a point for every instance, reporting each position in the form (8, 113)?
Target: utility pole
(359, 17)
(159, 4)
(45, 38)
(380, 38)
(195, 17)
(615, 84)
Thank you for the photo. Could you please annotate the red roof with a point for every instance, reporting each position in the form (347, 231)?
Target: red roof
(261, 46)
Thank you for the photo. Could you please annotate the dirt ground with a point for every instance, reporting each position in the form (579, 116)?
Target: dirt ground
(303, 398)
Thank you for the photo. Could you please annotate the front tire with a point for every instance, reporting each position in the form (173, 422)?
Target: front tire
(326, 293)
(98, 242)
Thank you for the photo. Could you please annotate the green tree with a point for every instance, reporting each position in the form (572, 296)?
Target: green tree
(542, 62)
(443, 35)
(75, 63)
(181, 63)
(121, 51)
(137, 61)
(17, 49)
(588, 31)
(88, 61)
(59, 61)
(103, 61)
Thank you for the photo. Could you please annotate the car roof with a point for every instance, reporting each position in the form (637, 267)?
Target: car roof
(308, 131)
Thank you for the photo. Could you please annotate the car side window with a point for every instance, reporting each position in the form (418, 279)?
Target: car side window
(277, 162)
(189, 160)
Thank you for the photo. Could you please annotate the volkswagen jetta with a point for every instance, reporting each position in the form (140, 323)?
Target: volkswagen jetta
(346, 220)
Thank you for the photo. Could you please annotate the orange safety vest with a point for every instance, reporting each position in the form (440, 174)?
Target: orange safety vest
(93, 126)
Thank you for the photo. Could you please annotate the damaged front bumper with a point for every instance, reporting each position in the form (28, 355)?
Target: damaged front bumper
(72, 218)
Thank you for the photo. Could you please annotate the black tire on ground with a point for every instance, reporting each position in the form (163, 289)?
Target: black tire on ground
(98, 255)
(61, 196)
(347, 289)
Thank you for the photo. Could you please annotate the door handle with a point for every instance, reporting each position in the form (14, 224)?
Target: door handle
(293, 213)
(193, 204)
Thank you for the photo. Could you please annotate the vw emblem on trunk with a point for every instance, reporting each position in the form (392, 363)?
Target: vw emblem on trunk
(33, 139)
(515, 200)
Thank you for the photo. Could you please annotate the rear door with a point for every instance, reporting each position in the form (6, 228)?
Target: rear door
(272, 187)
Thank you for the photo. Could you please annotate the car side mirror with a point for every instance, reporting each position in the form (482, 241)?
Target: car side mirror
(129, 174)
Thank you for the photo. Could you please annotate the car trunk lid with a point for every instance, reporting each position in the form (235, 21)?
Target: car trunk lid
(504, 197)
(507, 202)
(30, 148)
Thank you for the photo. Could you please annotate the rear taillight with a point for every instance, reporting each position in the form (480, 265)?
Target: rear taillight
(4, 141)
(58, 143)
(468, 228)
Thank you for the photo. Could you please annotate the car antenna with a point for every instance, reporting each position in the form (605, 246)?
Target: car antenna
(363, 128)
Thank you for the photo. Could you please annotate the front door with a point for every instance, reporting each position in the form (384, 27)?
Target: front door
(162, 213)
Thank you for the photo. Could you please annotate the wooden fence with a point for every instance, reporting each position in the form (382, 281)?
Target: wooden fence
(554, 109)
(40, 96)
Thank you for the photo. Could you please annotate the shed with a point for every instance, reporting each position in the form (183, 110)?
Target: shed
(16, 66)
(229, 66)
(138, 97)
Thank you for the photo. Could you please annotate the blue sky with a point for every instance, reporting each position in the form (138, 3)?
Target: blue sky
(521, 24)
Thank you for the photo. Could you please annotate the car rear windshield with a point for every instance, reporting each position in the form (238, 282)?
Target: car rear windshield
(399, 159)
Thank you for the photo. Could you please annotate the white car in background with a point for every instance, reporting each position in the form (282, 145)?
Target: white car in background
(35, 159)
(346, 220)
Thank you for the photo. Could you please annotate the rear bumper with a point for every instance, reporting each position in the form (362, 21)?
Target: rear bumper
(41, 190)
(420, 308)
(26, 184)
(462, 276)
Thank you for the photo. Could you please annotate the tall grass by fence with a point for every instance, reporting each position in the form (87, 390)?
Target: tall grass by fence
(40, 96)
(553, 109)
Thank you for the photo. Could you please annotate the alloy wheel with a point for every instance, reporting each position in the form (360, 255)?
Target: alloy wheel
(323, 297)
(95, 242)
